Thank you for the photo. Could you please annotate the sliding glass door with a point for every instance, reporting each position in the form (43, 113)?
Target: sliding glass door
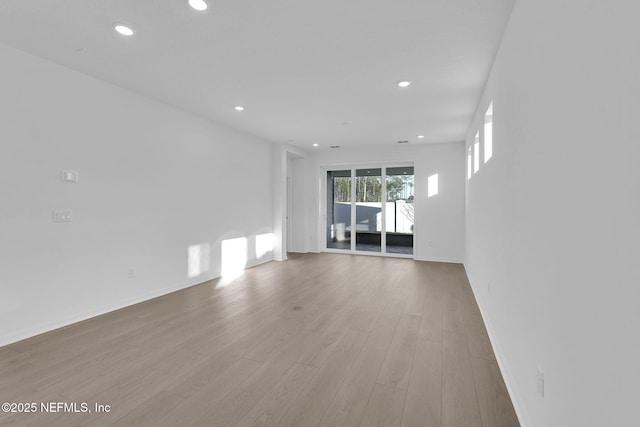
(400, 210)
(369, 210)
(372, 205)
(339, 209)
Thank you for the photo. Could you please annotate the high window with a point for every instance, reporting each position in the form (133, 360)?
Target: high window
(476, 153)
(488, 133)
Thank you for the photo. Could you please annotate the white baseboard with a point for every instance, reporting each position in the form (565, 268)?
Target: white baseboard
(79, 317)
(256, 262)
(516, 400)
(437, 259)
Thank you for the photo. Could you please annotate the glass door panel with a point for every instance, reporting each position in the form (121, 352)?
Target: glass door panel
(369, 215)
(339, 209)
(399, 210)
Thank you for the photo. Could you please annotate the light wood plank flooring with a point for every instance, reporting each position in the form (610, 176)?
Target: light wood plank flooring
(321, 339)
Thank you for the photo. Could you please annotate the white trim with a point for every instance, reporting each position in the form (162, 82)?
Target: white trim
(383, 211)
(367, 165)
(322, 223)
(251, 263)
(503, 366)
(354, 210)
(85, 315)
(288, 208)
(367, 253)
(438, 259)
(396, 255)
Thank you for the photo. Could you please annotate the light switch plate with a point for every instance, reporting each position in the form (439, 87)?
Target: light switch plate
(62, 215)
(70, 176)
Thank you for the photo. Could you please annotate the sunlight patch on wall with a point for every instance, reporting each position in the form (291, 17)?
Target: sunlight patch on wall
(488, 133)
(476, 153)
(432, 185)
(233, 257)
(469, 163)
(264, 244)
(198, 259)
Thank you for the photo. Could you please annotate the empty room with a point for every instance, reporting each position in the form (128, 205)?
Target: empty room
(295, 213)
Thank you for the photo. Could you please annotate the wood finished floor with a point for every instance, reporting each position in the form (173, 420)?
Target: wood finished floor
(377, 342)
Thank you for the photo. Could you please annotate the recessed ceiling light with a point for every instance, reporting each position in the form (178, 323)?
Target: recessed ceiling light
(420, 136)
(124, 30)
(239, 108)
(404, 83)
(315, 145)
(198, 4)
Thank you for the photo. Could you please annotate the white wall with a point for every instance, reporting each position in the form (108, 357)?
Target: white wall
(553, 218)
(279, 203)
(153, 181)
(439, 219)
(299, 202)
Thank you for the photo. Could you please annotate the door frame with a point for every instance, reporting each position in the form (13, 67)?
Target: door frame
(322, 232)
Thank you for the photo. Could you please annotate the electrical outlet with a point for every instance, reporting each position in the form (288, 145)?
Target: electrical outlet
(430, 243)
(62, 215)
(131, 273)
(540, 382)
(489, 287)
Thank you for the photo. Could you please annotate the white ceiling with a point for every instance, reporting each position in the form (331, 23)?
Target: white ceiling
(323, 71)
